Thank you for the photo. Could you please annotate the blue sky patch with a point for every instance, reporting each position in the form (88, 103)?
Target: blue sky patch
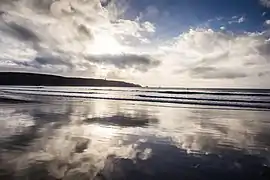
(173, 17)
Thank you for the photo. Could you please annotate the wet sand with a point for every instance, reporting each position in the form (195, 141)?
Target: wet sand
(106, 139)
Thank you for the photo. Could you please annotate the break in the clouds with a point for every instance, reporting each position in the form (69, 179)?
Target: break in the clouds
(152, 43)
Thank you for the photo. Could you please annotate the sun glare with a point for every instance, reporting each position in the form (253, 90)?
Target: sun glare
(105, 44)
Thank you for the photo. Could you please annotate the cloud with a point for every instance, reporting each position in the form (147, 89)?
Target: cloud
(105, 3)
(216, 73)
(51, 60)
(265, 73)
(84, 30)
(149, 27)
(267, 22)
(236, 19)
(265, 3)
(132, 33)
(126, 61)
(68, 31)
(241, 19)
(212, 55)
(21, 32)
(222, 28)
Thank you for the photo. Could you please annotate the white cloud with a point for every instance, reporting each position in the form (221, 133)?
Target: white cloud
(211, 56)
(149, 27)
(241, 19)
(267, 22)
(222, 28)
(237, 19)
(265, 3)
(70, 29)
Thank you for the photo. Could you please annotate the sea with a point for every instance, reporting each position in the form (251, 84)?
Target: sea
(85, 133)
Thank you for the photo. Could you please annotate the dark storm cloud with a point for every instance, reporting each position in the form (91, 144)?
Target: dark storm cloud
(216, 73)
(125, 61)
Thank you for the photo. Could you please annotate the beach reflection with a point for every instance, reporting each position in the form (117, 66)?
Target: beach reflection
(104, 139)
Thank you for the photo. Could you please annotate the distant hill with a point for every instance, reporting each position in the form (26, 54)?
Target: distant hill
(32, 79)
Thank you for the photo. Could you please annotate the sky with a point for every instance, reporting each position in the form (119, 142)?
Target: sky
(167, 43)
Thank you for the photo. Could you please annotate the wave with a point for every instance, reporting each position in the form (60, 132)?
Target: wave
(15, 100)
(230, 92)
(45, 90)
(91, 90)
(208, 99)
(144, 98)
(214, 93)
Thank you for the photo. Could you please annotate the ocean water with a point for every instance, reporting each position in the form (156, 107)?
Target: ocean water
(52, 133)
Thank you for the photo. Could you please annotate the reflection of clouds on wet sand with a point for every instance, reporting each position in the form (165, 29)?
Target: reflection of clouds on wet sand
(73, 149)
(77, 145)
(12, 123)
(210, 129)
(123, 120)
(23, 123)
(102, 138)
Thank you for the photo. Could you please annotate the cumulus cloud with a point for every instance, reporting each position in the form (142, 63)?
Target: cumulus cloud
(149, 27)
(210, 55)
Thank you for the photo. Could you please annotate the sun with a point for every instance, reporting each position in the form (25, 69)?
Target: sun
(105, 44)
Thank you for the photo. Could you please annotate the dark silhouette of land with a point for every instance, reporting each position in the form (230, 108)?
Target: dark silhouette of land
(33, 79)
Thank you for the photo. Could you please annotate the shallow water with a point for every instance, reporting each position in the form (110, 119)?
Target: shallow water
(60, 137)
